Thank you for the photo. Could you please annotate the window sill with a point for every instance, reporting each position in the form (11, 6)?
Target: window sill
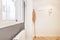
(4, 24)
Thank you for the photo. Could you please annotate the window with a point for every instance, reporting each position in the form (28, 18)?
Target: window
(12, 9)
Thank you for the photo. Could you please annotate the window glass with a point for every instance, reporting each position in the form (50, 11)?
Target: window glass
(12, 9)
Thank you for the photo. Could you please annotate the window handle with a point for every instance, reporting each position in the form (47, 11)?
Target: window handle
(50, 12)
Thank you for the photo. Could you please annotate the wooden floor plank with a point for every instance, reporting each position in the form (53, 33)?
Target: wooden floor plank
(46, 38)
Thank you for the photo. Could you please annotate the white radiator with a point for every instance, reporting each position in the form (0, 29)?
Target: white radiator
(20, 36)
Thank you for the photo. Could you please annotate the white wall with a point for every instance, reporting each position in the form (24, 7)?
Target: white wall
(45, 25)
(28, 19)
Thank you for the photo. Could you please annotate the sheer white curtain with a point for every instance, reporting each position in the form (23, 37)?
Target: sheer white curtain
(12, 9)
(8, 10)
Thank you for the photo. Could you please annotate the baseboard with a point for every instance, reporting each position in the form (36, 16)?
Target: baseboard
(47, 38)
